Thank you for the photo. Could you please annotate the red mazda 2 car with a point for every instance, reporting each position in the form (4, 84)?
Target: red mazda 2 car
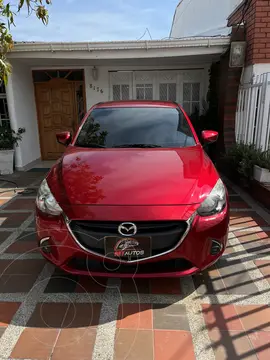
(134, 195)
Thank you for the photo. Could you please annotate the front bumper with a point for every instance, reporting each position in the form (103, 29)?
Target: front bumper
(192, 255)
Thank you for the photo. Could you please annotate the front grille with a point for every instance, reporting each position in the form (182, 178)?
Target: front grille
(168, 266)
(165, 235)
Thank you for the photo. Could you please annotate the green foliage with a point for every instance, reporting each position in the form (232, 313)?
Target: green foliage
(208, 119)
(93, 135)
(7, 15)
(243, 157)
(9, 137)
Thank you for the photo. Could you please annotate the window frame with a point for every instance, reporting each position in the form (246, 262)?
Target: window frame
(3, 95)
(191, 101)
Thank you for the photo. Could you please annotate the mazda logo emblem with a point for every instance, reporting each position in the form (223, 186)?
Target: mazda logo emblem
(127, 229)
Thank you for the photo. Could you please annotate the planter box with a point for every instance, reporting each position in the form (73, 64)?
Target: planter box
(260, 193)
(261, 175)
(6, 162)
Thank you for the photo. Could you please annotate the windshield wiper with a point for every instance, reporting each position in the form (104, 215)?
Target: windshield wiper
(137, 146)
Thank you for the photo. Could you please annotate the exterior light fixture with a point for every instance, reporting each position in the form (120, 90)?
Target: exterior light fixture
(95, 73)
(238, 53)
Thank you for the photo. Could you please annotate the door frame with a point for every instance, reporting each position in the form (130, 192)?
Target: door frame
(55, 82)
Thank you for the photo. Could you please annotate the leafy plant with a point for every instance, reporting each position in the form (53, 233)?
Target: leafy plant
(242, 157)
(7, 15)
(9, 137)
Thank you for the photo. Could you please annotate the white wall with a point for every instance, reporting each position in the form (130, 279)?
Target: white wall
(202, 17)
(93, 96)
(252, 71)
(22, 109)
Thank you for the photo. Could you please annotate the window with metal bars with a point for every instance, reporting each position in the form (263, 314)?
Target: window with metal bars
(144, 92)
(4, 114)
(191, 97)
(120, 92)
(167, 92)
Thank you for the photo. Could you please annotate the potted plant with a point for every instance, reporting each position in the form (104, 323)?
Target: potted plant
(245, 161)
(261, 170)
(8, 138)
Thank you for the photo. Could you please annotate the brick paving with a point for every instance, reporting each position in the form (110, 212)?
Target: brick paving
(46, 314)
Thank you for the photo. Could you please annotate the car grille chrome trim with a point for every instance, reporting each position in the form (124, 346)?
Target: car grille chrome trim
(188, 222)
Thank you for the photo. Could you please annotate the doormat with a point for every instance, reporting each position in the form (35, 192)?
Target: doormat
(39, 170)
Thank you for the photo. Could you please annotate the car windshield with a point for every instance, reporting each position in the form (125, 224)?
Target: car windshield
(137, 127)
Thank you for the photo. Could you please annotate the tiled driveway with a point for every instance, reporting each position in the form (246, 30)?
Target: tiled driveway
(223, 313)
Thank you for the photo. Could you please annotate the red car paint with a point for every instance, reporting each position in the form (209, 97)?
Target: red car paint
(160, 184)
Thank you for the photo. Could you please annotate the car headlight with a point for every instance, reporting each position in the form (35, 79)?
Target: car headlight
(215, 201)
(45, 200)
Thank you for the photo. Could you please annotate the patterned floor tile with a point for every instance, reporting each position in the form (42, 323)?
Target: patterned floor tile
(261, 343)
(81, 315)
(221, 317)
(74, 344)
(35, 343)
(7, 193)
(254, 317)
(265, 235)
(237, 202)
(235, 277)
(147, 331)
(47, 315)
(231, 345)
(173, 345)
(4, 235)
(7, 311)
(62, 282)
(17, 283)
(21, 204)
(253, 243)
(167, 286)
(21, 267)
(3, 201)
(133, 345)
(264, 267)
(170, 317)
(2, 330)
(135, 316)
(134, 286)
(12, 220)
(23, 247)
(246, 220)
(206, 284)
(87, 284)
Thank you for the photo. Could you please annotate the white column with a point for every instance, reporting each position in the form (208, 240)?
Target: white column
(12, 116)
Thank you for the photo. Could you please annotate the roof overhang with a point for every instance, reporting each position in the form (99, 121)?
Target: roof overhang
(121, 49)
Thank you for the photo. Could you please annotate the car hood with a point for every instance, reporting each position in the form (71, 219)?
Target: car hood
(132, 176)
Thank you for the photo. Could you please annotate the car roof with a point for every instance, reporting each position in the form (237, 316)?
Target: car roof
(137, 103)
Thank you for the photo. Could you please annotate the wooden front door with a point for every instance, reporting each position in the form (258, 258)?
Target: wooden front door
(56, 112)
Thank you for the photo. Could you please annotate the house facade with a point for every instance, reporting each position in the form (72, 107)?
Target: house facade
(251, 121)
(53, 84)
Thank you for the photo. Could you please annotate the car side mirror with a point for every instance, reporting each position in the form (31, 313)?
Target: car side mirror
(64, 138)
(209, 136)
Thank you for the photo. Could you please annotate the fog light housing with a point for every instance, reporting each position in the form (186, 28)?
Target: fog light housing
(45, 246)
(216, 247)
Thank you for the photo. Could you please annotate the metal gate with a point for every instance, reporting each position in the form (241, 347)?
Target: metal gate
(253, 113)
